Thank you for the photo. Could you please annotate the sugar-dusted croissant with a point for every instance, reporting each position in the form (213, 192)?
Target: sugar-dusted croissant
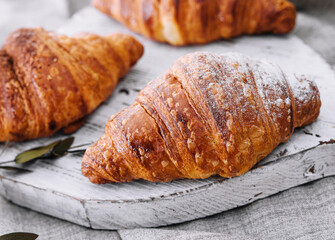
(209, 114)
(49, 81)
(185, 22)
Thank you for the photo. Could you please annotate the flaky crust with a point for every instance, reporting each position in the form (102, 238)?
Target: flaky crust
(209, 114)
(182, 22)
(50, 81)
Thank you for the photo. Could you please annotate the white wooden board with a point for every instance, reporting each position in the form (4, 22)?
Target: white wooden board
(57, 188)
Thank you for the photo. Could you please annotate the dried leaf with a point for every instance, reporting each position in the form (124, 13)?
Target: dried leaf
(19, 236)
(34, 153)
(61, 148)
(15, 169)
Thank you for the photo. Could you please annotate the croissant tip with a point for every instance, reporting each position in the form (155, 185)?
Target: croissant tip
(286, 18)
(90, 173)
(307, 100)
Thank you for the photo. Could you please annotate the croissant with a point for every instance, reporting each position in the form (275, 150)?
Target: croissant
(50, 82)
(185, 22)
(209, 114)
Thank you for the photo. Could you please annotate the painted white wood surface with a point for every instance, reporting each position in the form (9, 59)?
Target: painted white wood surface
(57, 188)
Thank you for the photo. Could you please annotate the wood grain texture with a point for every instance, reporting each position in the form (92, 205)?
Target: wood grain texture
(57, 187)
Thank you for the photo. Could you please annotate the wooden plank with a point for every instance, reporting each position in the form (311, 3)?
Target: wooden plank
(57, 188)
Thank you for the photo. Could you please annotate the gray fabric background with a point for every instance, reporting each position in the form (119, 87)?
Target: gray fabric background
(304, 212)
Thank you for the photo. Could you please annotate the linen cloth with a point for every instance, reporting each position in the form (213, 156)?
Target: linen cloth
(32, 13)
(304, 212)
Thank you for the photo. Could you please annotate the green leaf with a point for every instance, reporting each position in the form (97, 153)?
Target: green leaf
(15, 169)
(10, 161)
(19, 236)
(5, 147)
(55, 149)
(34, 153)
(61, 148)
(81, 145)
(79, 153)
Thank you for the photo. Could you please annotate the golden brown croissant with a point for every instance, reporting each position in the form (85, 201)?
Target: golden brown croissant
(209, 114)
(185, 22)
(49, 81)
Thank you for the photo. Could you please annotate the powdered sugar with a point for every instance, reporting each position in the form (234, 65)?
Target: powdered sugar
(301, 87)
(248, 90)
(269, 78)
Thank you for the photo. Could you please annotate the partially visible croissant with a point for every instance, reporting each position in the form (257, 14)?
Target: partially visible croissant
(185, 22)
(209, 114)
(49, 81)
